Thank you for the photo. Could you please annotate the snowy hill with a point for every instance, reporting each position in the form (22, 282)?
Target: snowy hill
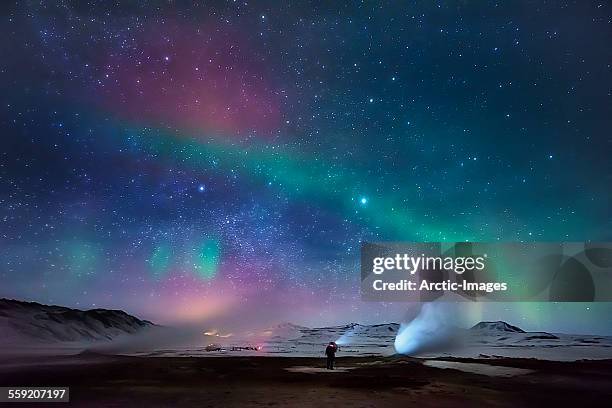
(281, 331)
(502, 333)
(498, 326)
(30, 322)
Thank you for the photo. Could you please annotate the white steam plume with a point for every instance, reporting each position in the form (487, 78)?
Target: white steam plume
(435, 328)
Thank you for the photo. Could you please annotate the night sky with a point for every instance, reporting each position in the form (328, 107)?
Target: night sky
(224, 162)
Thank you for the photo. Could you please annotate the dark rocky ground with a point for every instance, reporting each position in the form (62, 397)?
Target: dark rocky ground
(115, 381)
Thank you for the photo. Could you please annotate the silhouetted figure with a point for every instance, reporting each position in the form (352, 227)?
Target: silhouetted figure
(330, 352)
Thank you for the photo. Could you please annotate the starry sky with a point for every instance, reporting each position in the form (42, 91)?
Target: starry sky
(224, 162)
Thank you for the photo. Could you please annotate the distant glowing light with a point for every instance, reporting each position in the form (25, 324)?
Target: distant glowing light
(217, 334)
(363, 200)
(344, 339)
(201, 188)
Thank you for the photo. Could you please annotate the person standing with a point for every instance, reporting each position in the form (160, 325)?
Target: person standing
(330, 352)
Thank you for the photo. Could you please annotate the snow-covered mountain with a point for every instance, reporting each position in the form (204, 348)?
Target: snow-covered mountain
(354, 333)
(280, 331)
(501, 333)
(30, 322)
(497, 326)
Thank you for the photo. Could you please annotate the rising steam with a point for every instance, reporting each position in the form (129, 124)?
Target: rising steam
(435, 328)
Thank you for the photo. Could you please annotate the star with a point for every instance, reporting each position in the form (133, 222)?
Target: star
(227, 136)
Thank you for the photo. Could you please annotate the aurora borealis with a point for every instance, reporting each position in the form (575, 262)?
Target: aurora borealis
(225, 161)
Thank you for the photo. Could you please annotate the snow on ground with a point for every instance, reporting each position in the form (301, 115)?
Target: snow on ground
(484, 369)
(498, 339)
(317, 370)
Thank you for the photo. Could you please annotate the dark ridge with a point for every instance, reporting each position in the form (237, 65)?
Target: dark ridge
(57, 323)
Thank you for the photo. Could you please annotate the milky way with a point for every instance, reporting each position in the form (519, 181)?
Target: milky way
(226, 161)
